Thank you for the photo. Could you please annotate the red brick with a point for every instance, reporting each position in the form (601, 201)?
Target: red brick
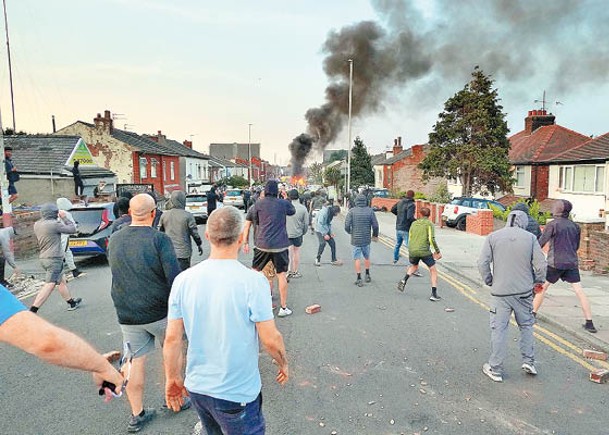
(600, 376)
(594, 354)
(312, 309)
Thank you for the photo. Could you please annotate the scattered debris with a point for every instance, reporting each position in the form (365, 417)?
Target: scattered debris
(312, 309)
(600, 376)
(423, 383)
(392, 422)
(372, 402)
(322, 424)
(422, 391)
(594, 354)
(449, 310)
(23, 285)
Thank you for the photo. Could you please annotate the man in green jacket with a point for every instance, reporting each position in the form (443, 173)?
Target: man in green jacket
(421, 239)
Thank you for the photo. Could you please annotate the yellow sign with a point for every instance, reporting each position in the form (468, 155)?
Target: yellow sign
(77, 243)
(82, 154)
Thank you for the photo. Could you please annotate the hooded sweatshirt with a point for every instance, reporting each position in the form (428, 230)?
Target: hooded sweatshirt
(360, 222)
(297, 224)
(532, 225)
(517, 259)
(269, 215)
(49, 229)
(180, 225)
(404, 209)
(563, 236)
(6, 235)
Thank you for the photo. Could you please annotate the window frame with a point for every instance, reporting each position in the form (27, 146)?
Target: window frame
(566, 179)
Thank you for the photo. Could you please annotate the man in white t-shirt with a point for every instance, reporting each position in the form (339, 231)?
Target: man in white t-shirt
(225, 309)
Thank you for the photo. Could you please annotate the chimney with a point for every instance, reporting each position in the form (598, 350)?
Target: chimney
(536, 119)
(397, 146)
(104, 123)
(188, 144)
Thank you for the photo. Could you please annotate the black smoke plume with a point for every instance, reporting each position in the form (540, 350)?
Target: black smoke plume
(300, 147)
(525, 44)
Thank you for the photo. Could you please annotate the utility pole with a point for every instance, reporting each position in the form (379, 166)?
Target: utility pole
(10, 67)
(249, 154)
(7, 208)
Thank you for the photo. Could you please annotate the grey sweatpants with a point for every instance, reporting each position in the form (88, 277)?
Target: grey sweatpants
(501, 311)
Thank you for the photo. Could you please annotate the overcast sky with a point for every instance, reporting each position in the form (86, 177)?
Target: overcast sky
(208, 68)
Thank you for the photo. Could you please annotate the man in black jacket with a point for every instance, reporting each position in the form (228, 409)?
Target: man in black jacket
(404, 209)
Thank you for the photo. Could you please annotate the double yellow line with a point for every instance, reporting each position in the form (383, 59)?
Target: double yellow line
(550, 339)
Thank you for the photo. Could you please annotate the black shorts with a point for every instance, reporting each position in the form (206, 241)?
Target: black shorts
(567, 275)
(280, 260)
(296, 241)
(429, 261)
(12, 190)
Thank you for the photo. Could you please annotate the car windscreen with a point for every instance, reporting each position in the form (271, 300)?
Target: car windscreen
(199, 198)
(233, 193)
(87, 221)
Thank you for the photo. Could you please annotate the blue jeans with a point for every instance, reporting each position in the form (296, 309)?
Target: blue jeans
(223, 417)
(401, 237)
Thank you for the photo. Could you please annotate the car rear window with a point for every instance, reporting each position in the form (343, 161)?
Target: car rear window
(88, 221)
(200, 198)
(233, 193)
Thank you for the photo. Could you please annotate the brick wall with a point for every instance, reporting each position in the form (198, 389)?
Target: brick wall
(480, 223)
(540, 179)
(589, 256)
(25, 243)
(599, 251)
(406, 175)
(387, 203)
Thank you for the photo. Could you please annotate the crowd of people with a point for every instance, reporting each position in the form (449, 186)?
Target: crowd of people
(220, 310)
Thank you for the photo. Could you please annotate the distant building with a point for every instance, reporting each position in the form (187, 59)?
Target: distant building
(239, 153)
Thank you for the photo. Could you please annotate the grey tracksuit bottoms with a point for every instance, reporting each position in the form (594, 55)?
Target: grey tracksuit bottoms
(501, 311)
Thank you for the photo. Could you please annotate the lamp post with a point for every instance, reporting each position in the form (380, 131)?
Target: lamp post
(249, 154)
(349, 126)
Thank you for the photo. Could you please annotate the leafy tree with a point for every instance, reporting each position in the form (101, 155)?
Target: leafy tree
(338, 155)
(361, 165)
(469, 141)
(316, 173)
(332, 176)
(235, 181)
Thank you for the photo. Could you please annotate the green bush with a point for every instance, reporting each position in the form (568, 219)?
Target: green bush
(420, 195)
(441, 195)
(534, 211)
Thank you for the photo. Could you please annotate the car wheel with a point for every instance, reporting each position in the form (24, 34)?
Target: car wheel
(461, 222)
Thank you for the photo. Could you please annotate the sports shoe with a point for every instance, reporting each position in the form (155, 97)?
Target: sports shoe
(368, 279)
(137, 422)
(358, 282)
(76, 273)
(434, 298)
(317, 262)
(284, 312)
(401, 285)
(488, 371)
(186, 405)
(417, 274)
(395, 261)
(198, 429)
(529, 368)
(337, 263)
(590, 328)
(296, 275)
(76, 302)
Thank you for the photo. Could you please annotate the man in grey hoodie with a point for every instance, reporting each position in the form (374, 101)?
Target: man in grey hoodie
(65, 205)
(180, 226)
(48, 231)
(360, 222)
(518, 263)
(6, 235)
(296, 226)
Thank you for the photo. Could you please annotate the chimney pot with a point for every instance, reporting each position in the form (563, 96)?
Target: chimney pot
(107, 114)
(530, 113)
(400, 141)
(159, 132)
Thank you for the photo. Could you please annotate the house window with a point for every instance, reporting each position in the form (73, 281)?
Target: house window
(164, 171)
(153, 164)
(520, 176)
(582, 178)
(143, 167)
(172, 169)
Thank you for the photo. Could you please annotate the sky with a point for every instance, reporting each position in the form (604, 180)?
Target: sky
(204, 70)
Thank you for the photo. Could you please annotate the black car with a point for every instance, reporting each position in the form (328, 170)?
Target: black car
(93, 228)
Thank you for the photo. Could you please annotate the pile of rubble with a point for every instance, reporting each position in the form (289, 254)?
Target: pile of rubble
(25, 284)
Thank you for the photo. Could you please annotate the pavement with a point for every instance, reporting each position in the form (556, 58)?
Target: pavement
(561, 309)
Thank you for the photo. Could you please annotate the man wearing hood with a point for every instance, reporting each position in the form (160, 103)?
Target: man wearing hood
(271, 239)
(518, 263)
(563, 235)
(532, 224)
(122, 211)
(323, 229)
(404, 210)
(6, 235)
(296, 226)
(212, 199)
(180, 226)
(360, 223)
(48, 231)
(65, 205)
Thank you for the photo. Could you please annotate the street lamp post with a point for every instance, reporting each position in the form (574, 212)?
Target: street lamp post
(349, 126)
(249, 153)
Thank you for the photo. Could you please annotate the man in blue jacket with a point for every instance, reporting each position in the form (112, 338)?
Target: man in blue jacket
(360, 222)
(271, 241)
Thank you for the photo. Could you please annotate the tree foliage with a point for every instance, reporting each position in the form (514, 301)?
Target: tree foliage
(316, 173)
(332, 176)
(234, 181)
(338, 155)
(361, 165)
(469, 141)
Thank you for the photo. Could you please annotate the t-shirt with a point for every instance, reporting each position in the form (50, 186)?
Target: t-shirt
(220, 302)
(9, 305)
(144, 265)
(269, 215)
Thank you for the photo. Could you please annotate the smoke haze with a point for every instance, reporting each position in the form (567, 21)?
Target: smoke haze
(561, 44)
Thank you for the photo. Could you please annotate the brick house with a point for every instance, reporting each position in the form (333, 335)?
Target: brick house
(133, 158)
(401, 172)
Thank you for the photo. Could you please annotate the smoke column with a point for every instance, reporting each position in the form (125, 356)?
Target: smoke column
(528, 44)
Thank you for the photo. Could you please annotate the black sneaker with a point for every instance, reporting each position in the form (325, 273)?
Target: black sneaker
(434, 298)
(75, 303)
(401, 285)
(358, 282)
(590, 327)
(137, 422)
(76, 273)
(368, 279)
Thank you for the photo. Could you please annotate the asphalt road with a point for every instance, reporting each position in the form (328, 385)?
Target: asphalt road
(373, 361)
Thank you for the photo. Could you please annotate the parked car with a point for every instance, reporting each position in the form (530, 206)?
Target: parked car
(196, 204)
(380, 193)
(93, 224)
(234, 197)
(455, 213)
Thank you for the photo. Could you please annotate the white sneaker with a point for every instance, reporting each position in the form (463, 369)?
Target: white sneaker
(284, 312)
(488, 371)
(529, 368)
(317, 262)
